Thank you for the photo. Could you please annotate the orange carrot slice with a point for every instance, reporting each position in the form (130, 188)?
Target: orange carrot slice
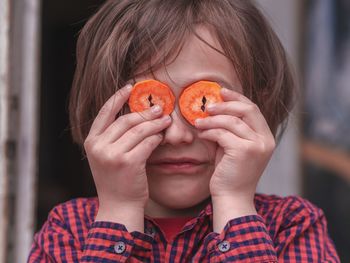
(151, 92)
(196, 97)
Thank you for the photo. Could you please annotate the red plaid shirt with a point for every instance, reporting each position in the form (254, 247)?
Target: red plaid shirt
(288, 229)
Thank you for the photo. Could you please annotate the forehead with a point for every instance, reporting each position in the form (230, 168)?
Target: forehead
(196, 61)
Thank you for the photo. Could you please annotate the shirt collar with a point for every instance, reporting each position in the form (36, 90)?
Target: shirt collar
(208, 210)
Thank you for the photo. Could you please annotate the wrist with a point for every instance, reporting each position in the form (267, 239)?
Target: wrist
(130, 215)
(226, 208)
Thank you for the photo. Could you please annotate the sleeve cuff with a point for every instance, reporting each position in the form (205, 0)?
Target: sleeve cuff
(112, 241)
(244, 239)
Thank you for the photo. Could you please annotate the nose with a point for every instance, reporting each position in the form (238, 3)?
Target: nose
(179, 131)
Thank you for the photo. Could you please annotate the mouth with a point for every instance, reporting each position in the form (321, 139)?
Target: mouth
(178, 165)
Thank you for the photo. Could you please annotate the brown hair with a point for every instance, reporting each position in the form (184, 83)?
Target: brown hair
(125, 34)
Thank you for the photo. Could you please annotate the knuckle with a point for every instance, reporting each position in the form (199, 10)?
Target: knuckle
(150, 142)
(119, 95)
(88, 144)
(144, 115)
(265, 147)
(125, 120)
(272, 145)
(139, 130)
(262, 147)
(147, 115)
(105, 109)
(107, 159)
(121, 159)
(219, 132)
(251, 149)
(154, 140)
(159, 121)
(112, 158)
(94, 151)
(252, 108)
(158, 137)
(235, 120)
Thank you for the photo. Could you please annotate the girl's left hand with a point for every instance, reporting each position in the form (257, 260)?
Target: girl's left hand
(245, 141)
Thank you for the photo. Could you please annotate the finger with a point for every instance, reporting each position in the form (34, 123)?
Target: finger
(230, 123)
(249, 113)
(229, 94)
(227, 140)
(144, 149)
(124, 123)
(137, 134)
(109, 110)
(237, 146)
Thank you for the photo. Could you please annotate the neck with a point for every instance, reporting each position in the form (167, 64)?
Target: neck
(156, 210)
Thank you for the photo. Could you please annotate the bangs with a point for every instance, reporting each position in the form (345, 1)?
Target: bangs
(164, 27)
(159, 38)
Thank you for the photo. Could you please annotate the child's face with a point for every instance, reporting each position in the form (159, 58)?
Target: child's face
(177, 187)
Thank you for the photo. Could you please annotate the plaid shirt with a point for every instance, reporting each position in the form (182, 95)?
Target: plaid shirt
(288, 229)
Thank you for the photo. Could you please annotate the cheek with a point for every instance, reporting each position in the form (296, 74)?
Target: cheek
(210, 147)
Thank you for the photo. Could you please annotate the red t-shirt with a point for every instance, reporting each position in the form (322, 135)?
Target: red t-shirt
(171, 225)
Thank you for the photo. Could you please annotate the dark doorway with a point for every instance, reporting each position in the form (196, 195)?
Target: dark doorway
(63, 173)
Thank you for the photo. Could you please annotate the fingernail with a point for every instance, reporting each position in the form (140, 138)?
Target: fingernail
(211, 107)
(197, 121)
(128, 87)
(224, 90)
(166, 118)
(156, 109)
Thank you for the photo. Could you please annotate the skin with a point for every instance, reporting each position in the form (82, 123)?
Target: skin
(183, 195)
(234, 144)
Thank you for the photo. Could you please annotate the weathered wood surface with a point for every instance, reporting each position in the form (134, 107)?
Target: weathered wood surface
(25, 77)
(19, 98)
(4, 87)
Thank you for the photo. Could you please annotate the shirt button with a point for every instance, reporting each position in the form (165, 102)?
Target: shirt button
(224, 246)
(119, 247)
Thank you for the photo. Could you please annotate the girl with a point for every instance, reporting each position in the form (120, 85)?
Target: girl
(169, 191)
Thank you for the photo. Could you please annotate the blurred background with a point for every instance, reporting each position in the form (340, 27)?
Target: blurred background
(40, 167)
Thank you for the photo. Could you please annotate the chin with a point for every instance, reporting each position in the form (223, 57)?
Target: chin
(182, 205)
(178, 202)
(179, 192)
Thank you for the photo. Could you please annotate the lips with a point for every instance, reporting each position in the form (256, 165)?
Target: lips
(182, 160)
(183, 165)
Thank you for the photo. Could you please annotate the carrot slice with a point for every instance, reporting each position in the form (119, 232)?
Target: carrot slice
(196, 97)
(151, 92)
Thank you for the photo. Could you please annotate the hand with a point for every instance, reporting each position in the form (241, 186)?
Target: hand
(245, 146)
(117, 151)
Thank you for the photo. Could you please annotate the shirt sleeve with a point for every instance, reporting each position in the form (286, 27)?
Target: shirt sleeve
(105, 242)
(299, 234)
(244, 239)
(303, 235)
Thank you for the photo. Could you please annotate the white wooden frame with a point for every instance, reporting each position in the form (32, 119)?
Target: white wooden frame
(19, 99)
(4, 107)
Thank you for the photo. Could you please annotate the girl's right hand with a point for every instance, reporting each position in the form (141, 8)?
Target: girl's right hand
(117, 151)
